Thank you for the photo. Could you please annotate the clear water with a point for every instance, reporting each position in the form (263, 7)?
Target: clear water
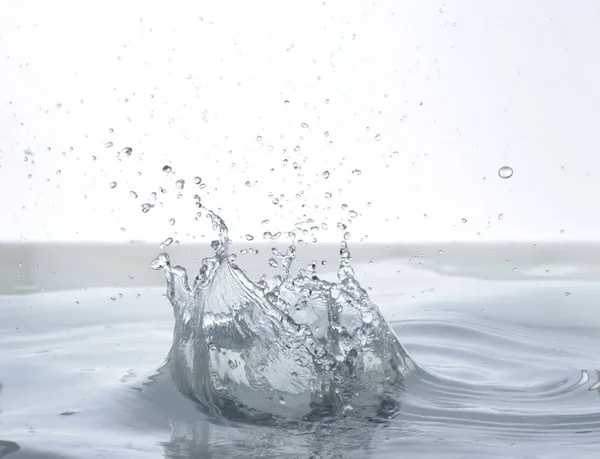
(509, 362)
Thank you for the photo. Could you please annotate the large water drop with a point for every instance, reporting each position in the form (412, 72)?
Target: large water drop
(505, 172)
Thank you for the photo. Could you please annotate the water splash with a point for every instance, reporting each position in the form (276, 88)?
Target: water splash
(290, 347)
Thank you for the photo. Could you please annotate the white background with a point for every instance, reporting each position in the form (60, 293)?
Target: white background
(427, 99)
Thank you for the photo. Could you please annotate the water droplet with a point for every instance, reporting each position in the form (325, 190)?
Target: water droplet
(146, 207)
(127, 151)
(167, 169)
(275, 201)
(424, 215)
(464, 220)
(273, 263)
(108, 144)
(171, 221)
(378, 137)
(346, 235)
(328, 195)
(133, 194)
(567, 293)
(562, 231)
(304, 125)
(352, 214)
(505, 172)
(357, 172)
(166, 243)
(249, 237)
(326, 174)
(258, 138)
(113, 184)
(76, 303)
(58, 172)
(179, 184)
(440, 252)
(197, 180)
(326, 133)
(282, 400)
(500, 217)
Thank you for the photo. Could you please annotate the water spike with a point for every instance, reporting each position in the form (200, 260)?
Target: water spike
(345, 270)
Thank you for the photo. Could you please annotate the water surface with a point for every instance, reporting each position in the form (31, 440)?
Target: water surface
(509, 353)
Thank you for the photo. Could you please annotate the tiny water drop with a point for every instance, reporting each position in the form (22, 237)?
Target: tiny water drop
(464, 220)
(357, 172)
(328, 195)
(133, 194)
(171, 221)
(249, 237)
(501, 217)
(304, 125)
(378, 137)
(346, 235)
(113, 184)
(179, 184)
(127, 151)
(166, 243)
(562, 231)
(273, 263)
(353, 214)
(108, 145)
(197, 180)
(167, 169)
(505, 172)
(567, 293)
(326, 174)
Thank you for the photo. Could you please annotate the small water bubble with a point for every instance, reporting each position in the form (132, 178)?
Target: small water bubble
(146, 207)
(357, 172)
(346, 235)
(249, 237)
(113, 184)
(304, 125)
(133, 194)
(171, 221)
(562, 231)
(166, 243)
(440, 252)
(326, 174)
(275, 201)
(197, 180)
(76, 303)
(282, 400)
(273, 263)
(167, 169)
(328, 195)
(58, 172)
(127, 151)
(567, 293)
(378, 137)
(108, 145)
(138, 296)
(179, 184)
(353, 214)
(505, 172)
(258, 138)
(424, 215)
(464, 220)
(501, 216)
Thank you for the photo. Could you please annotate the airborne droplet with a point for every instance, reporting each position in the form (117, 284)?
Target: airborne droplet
(505, 172)
(167, 169)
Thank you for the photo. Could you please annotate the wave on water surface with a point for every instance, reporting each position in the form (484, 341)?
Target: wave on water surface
(292, 347)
